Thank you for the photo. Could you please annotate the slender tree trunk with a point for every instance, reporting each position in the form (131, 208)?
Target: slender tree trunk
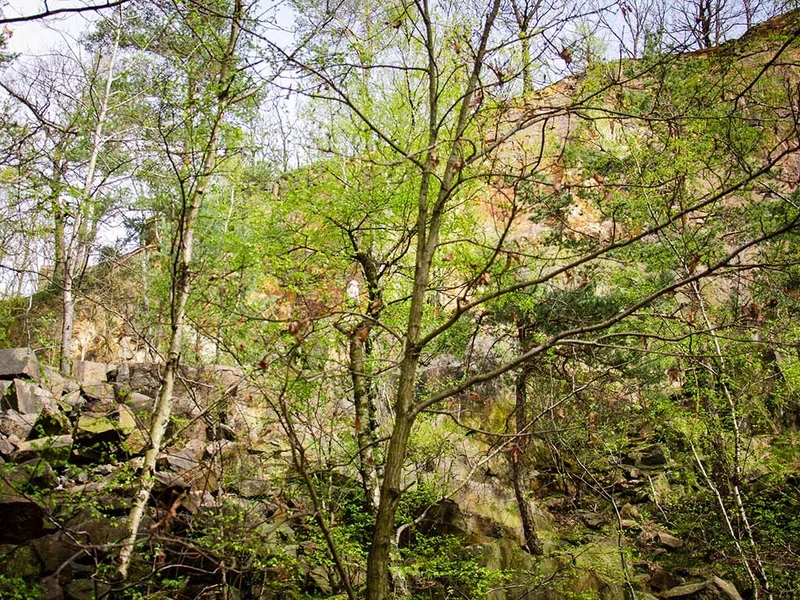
(67, 318)
(59, 232)
(525, 51)
(77, 252)
(180, 294)
(363, 399)
(531, 541)
(391, 490)
(429, 220)
(360, 349)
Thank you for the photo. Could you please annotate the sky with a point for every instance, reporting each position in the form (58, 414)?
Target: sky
(37, 37)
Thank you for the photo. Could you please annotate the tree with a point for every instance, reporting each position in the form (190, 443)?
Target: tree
(447, 102)
(71, 126)
(213, 84)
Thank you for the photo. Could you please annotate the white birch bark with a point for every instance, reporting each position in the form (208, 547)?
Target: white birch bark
(181, 289)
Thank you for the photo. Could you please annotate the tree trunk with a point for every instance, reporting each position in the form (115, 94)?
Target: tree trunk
(77, 252)
(428, 224)
(525, 51)
(58, 235)
(181, 286)
(365, 426)
(391, 490)
(67, 318)
(531, 541)
(360, 348)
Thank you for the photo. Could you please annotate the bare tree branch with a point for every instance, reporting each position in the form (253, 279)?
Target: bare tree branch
(50, 12)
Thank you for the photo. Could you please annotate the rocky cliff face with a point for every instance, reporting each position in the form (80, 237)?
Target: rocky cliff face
(228, 517)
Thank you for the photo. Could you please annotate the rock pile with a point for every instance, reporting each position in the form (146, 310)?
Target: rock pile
(70, 446)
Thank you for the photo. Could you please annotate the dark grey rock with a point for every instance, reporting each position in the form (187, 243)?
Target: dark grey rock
(52, 421)
(654, 455)
(85, 589)
(53, 380)
(74, 400)
(28, 398)
(55, 551)
(21, 562)
(96, 531)
(711, 589)
(23, 519)
(18, 362)
(144, 378)
(51, 588)
(184, 459)
(36, 471)
(661, 580)
(102, 393)
(443, 518)
(6, 447)
(13, 423)
(669, 541)
(591, 519)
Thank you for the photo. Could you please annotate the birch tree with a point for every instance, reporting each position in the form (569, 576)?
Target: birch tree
(212, 77)
(69, 104)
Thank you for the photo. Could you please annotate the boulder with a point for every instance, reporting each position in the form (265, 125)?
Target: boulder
(230, 378)
(17, 363)
(73, 400)
(95, 426)
(52, 421)
(252, 488)
(592, 520)
(96, 531)
(51, 588)
(22, 562)
(136, 443)
(141, 405)
(6, 447)
(111, 425)
(53, 380)
(185, 459)
(654, 455)
(669, 541)
(144, 378)
(54, 449)
(13, 423)
(224, 450)
(126, 420)
(99, 393)
(629, 511)
(661, 580)
(55, 551)
(711, 589)
(202, 478)
(197, 500)
(90, 373)
(85, 589)
(443, 518)
(28, 398)
(23, 519)
(36, 471)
